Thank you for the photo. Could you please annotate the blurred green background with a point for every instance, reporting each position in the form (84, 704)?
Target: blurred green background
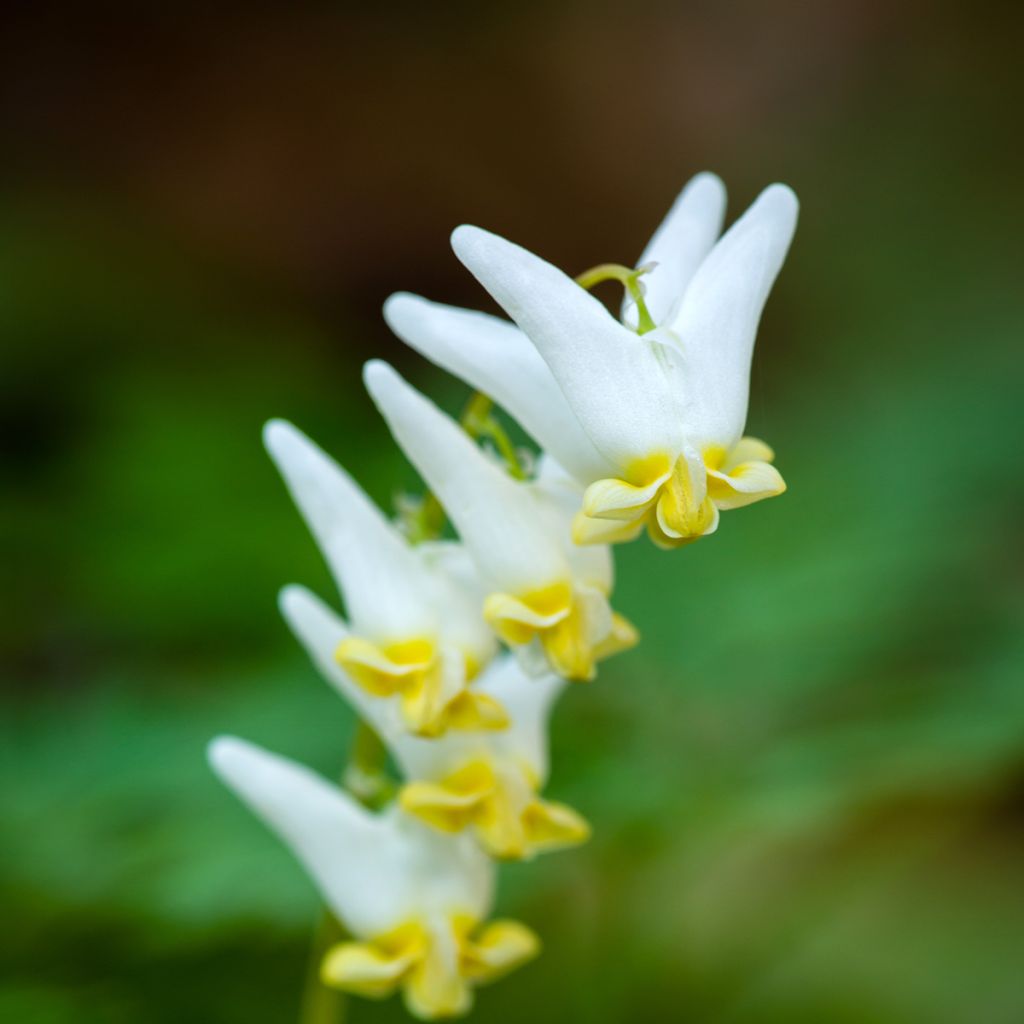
(807, 782)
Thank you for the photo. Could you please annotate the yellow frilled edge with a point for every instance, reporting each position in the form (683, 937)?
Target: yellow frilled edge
(412, 671)
(436, 969)
(509, 819)
(558, 619)
(660, 494)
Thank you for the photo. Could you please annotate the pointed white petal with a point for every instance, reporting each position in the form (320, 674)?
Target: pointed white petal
(718, 319)
(681, 242)
(561, 498)
(460, 593)
(386, 590)
(495, 516)
(374, 872)
(529, 701)
(442, 874)
(336, 840)
(495, 357)
(612, 379)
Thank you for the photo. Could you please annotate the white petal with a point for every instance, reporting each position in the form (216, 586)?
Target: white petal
(335, 839)
(460, 593)
(495, 357)
(385, 586)
(527, 699)
(561, 498)
(718, 319)
(495, 516)
(373, 871)
(681, 242)
(613, 380)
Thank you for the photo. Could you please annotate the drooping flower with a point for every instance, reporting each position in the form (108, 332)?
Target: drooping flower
(540, 599)
(415, 900)
(486, 782)
(664, 404)
(415, 631)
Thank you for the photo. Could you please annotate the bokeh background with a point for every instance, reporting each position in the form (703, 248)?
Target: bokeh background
(807, 782)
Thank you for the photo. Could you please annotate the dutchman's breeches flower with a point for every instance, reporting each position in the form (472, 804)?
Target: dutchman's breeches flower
(487, 782)
(664, 404)
(415, 900)
(415, 630)
(640, 422)
(510, 529)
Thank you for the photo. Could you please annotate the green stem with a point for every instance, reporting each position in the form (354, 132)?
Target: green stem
(479, 421)
(322, 1004)
(366, 774)
(630, 280)
(426, 518)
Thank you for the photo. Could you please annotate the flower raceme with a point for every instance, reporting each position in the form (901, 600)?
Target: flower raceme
(641, 424)
(415, 629)
(650, 424)
(414, 899)
(543, 599)
(486, 782)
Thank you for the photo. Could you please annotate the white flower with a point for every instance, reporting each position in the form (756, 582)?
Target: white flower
(414, 899)
(665, 409)
(484, 781)
(540, 599)
(415, 630)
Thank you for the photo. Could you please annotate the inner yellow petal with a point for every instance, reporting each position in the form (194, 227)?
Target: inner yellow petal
(680, 513)
(454, 803)
(746, 449)
(552, 826)
(385, 670)
(623, 636)
(375, 968)
(436, 967)
(422, 702)
(517, 619)
(471, 711)
(498, 948)
(568, 647)
(437, 986)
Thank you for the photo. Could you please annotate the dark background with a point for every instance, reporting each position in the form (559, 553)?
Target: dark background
(807, 783)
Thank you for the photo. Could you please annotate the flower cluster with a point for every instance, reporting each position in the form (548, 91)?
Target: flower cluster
(453, 652)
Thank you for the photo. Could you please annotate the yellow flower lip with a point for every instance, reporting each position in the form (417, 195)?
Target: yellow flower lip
(436, 965)
(500, 805)
(559, 618)
(677, 500)
(412, 670)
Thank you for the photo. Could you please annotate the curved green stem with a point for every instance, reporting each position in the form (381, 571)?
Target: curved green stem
(424, 518)
(630, 280)
(322, 1004)
(479, 421)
